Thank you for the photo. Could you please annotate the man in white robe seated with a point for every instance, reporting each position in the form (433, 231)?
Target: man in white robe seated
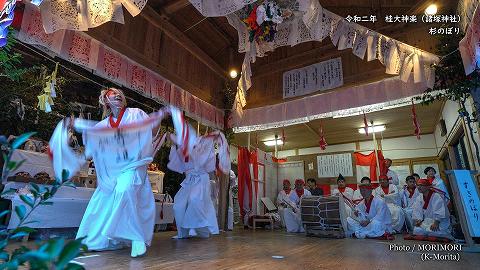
(357, 196)
(409, 194)
(389, 193)
(430, 214)
(371, 217)
(283, 199)
(342, 188)
(292, 214)
(345, 192)
(392, 175)
(437, 182)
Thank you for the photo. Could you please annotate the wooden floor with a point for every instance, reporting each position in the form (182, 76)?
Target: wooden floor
(243, 249)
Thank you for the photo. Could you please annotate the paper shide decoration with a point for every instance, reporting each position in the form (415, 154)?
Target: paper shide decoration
(45, 100)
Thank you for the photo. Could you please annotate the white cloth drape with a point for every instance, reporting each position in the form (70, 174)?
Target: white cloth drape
(80, 15)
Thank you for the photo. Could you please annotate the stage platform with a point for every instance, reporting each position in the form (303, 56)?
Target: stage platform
(244, 249)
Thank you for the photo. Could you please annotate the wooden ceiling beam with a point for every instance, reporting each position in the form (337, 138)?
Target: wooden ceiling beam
(175, 6)
(226, 37)
(170, 30)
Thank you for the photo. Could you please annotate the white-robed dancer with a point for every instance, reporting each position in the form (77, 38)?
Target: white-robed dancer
(195, 157)
(292, 214)
(389, 193)
(430, 213)
(371, 217)
(122, 209)
(409, 194)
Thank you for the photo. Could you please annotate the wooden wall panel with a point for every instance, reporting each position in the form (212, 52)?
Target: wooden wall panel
(147, 45)
(268, 71)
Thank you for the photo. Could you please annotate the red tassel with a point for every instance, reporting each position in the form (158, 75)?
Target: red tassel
(365, 123)
(416, 126)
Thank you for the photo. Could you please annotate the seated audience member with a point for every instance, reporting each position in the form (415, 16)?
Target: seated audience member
(292, 214)
(430, 214)
(312, 187)
(371, 217)
(342, 188)
(409, 194)
(357, 196)
(436, 181)
(392, 175)
(283, 199)
(346, 193)
(389, 193)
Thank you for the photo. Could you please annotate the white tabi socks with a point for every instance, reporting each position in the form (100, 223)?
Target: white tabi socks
(138, 249)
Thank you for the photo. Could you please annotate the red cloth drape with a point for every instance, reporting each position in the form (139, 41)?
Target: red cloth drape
(244, 179)
(371, 161)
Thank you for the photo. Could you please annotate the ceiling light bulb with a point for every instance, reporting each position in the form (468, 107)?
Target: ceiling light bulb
(431, 10)
(233, 74)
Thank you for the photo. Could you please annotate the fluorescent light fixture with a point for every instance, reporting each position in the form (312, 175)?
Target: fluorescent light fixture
(272, 142)
(431, 10)
(372, 129)
(336, 116)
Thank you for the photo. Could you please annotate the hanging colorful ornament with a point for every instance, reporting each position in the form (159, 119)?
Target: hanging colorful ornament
(323, 143)
(6, 19)
(416, 125)
(45, 100)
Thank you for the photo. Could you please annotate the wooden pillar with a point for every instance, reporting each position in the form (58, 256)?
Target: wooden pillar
(223, 181)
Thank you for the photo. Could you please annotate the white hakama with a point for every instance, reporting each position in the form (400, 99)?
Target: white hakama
(393, 201)
(282, 198)
(293, 219)
(378, 215)
(195, 156)
(435, 210)
(407, 205)
(347, 194)
(193, 208)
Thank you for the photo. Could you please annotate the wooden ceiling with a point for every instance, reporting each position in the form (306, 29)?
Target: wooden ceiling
(172, 38)
(398, 123)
